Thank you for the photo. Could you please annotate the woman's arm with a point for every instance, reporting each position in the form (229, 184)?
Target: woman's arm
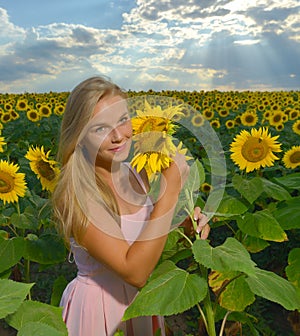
(135, 262)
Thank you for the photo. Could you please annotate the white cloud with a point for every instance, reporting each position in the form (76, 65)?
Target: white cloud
(186, 44)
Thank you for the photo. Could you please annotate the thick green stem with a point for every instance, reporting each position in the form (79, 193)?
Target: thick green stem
(210, 318)
(27, 274)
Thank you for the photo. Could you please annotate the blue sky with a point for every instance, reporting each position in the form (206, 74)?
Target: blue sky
(150, 44)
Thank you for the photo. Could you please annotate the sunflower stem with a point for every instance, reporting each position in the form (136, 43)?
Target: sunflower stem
(185, 236)
(210, 319)
(27, 274)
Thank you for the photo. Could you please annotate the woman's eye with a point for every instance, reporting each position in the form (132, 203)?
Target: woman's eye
(101, 129)
(124, 119)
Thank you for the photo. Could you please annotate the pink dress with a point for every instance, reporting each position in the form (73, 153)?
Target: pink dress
(95, 301)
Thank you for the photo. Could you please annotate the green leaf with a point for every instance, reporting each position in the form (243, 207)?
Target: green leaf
(288, 214)
(33, 311)
(275, 191)
(233, 292)
(46, 249)
(274, 288)
(254, 244)
(231, 256)
(291, 181)
(11, 251)
(237, 295)
(250, 189)
(292, 270)
(189, 194)
(196, 176)
(229, 207)
(12, 294)
(26, 220)
(59, 285)
(39, 329)
(170, 291)
(263, 225)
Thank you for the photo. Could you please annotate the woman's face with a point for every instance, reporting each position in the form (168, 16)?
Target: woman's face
(109, 133)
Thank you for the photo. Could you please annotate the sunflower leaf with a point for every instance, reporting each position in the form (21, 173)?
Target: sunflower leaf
(11, 251)
(291, 181)
(288, 215)
(157, 297)
(12, 294)
(231, 256)
(39, 329)
(33, 311)
(236, 294)
(292, 270)
(263, 225)
(275, 191)
(272, 287)
(250, 189)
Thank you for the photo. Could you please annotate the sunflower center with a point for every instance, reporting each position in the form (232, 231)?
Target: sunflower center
(255, 150)
(277, 118)
(45, 170)
(154, 124)
(295, 157)
(249, 118)
(6, 183)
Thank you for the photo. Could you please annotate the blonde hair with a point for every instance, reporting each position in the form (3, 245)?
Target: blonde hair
(77, 174)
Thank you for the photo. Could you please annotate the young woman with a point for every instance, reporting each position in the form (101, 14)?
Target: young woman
(114, 231)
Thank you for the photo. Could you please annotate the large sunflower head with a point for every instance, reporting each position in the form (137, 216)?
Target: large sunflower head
(153, 145)
(45, 168)
(291, 158)
(253, 150)
(155, 119)
(12, 183)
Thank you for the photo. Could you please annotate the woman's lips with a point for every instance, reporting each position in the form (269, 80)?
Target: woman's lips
(119, 148)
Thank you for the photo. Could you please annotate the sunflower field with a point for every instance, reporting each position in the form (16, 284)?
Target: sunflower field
(230, 284)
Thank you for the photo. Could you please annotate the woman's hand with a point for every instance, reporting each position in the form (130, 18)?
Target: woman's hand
(203, 227)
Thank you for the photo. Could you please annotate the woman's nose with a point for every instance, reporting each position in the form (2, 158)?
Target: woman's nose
(116, 135)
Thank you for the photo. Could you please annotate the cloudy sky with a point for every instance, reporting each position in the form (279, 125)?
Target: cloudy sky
(150, 44)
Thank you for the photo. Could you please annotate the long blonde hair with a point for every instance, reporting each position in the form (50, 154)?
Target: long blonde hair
(77, 174)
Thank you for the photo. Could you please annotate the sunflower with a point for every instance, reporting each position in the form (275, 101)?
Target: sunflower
(198, 120)
(45, 111)
(45, 168)
(2, 143)
(6, 117)
(230, 123)
(215, 123)
(223, 112)
(279, 127)
(59, 110)
(291, 158)
(208, 114)
(293, 114)
(277, 118)
(253, 150)
(249, 118)
(205, 187)
(152, 130)
(296, 127)
(22, 105)
(12, 183)
(33, 115)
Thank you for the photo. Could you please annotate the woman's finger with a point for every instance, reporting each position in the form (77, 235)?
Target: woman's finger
(205, 231)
